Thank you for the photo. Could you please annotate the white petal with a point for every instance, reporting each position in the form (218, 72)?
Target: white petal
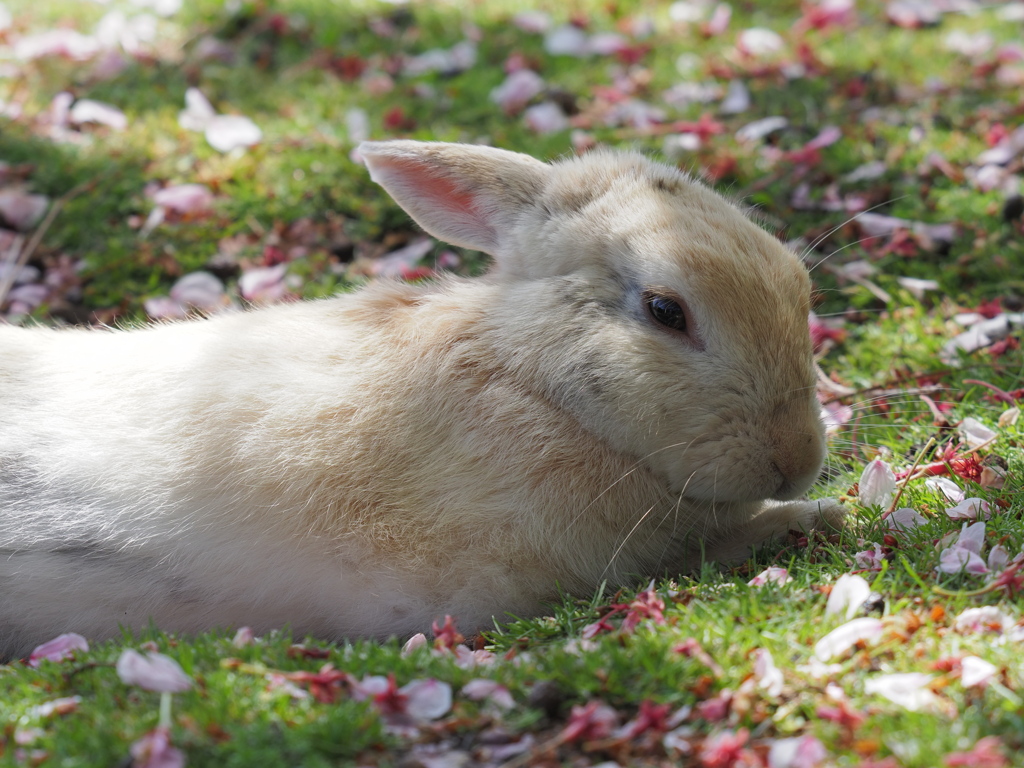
(877, 484)
(975, 433)
(198, 111)
(848, 594)
(566, 40)
(970, 509)
(773, 574)
(844, 637)
(975, 671)
(908, 689)
(972, 537)
(154, 672)
(768, 676)
(89, 111)
(904, 519)
(184, 198)
(546, 117)
(946, 487)
(759, 42)
(227, 132)
(985, 618)
(428, 699)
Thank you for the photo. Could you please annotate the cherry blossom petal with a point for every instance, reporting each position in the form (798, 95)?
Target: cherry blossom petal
(987, 618)
(975, 433)
(566, 40)
(546, 117)
(946, 487)
(427, 699)
(877, 485)
(957, 560)
(766, 674)
(846, 636)
(907, 689)
(491, 690)
(998, 558)
(870, 559)
(759, 42)
(532, 21)
(848, 594)
(154, 750)
(975, 671)
(89, 111)
(796, 752)
(517, 90)
(414, 643)
(759, 129)
(737, 99)
(154, 672)
(263, 284)
(57, 42)
(60, 648)
(198, 111)
(227, 132)
(243, 637)
(972, 537)
(970, 509)
(184, 198)
(771, 575)
(20, 209)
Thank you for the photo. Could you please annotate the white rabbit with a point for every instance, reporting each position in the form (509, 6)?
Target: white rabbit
(617, 398)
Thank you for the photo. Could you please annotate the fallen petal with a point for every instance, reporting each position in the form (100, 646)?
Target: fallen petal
(154, 672)
(970, 509)
(227, 132)
(848, 594)
(975, 671)
(975, 433)
(907, 689)
(89, 111)
(427, 699)
(198, 111)
(60, 648)
(772, 575)
(154, 750)
(877, 485)
(184, 198)
(844, 637)
(20, 209)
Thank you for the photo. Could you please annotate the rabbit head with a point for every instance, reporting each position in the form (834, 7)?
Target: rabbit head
(640, 302)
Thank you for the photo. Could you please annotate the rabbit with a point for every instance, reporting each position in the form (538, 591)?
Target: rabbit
(628, 392)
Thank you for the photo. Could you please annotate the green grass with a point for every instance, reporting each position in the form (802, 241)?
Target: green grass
(876, 82)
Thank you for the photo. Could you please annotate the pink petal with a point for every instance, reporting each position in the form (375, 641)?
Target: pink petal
(871, 559)
(532, 21)
(154, 672)
(946, 487)
(517, 90)
(766, 674)
(154, 750)
(908, 689)
(975, 433)
(975, 671)
(164, 308)
(227, 132)
(957, 560)
(198, 111)
(796, 752)
(20, 209)
(985, 619)
(998, 558)
(970, 509)
(844, 637)
(263, 284)
(199, 289)
(972, 537)
(428, 699)
(57, 42)
(60, 648)
(759, 42)
(848, 594)
(566, 40)
(89, 111)
(243, 637)
(546, 117)
(417, 641)
(400, 261)
(877, 485)
(184, 198)
(488, 689)
(773, 575)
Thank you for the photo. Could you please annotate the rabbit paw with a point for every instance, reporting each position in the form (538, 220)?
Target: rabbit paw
(775, 521)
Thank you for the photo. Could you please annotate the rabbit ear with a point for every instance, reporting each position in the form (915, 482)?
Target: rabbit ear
(463, 194)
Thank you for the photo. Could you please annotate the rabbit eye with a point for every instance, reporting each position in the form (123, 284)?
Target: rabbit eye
(666, 311)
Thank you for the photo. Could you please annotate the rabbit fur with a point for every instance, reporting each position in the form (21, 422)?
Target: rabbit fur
(362, 465)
